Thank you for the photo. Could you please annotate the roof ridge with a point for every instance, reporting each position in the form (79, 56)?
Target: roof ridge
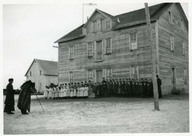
(140, 9)
(45, 60)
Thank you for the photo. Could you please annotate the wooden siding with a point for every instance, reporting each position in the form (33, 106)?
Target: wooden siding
(119, 61)
(172, 59)
(40, 80)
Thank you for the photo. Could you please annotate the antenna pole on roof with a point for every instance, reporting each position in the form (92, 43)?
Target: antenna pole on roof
(155, 90)
(86, 4)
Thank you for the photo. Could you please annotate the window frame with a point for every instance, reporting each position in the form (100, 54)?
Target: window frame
(71, 77)
(110, 46)
(132, 43)
(172, 43)
(170, 17)
(71, 48)
(136, 71)
(185, 76)
(92, 48)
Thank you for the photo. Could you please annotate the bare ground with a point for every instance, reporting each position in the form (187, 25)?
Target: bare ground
(102, 115)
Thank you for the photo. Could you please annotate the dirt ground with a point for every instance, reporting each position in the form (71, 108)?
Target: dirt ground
(102, 115)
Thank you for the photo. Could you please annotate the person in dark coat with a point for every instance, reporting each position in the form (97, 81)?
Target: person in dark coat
(24, 99)
(159, 82)
(104, 87)
(9, 100)
(151, 87)
(131, 87)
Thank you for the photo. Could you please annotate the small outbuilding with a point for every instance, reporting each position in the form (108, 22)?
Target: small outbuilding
(42, 73)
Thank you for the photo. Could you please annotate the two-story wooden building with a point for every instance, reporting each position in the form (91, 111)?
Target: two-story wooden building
(118, 47)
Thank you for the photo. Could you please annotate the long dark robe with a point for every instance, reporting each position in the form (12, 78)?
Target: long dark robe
(9, 100)
(24, 100)
(159, 82)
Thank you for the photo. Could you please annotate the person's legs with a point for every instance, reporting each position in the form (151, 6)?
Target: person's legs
(23, 111)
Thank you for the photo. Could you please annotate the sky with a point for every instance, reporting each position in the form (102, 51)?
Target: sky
(30, 30)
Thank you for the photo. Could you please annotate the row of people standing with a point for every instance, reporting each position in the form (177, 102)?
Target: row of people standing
(66, 90)
(107, 88)
(124, 88)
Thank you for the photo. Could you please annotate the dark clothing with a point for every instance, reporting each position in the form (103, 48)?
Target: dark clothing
(9, 100)
(159, 86)
(24, 100)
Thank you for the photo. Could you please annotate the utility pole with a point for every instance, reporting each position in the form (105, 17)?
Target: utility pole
(155, 90)
(86, 4)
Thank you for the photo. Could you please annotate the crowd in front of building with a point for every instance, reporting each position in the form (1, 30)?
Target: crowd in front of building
(107, 88)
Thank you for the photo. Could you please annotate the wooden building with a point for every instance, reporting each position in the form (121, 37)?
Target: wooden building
(118, 47)
(42, 73)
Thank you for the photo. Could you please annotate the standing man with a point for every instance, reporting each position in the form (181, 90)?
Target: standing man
(159, 82)
(9, 100)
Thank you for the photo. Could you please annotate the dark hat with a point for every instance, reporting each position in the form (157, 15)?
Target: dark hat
(10, 79)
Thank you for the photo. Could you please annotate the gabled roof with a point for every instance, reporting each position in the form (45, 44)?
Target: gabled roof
(138, 16)
(126, 20)
(49, 68)
(75, 34)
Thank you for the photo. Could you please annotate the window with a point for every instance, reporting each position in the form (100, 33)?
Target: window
(40, 72)
(99, 53)
(70, 77)
(30, 73)
(108, 43)
(184, 49)
(103, 24)
(134, 71)
(108, 24)
(170, 18)
(71, 52)
(92, 27)
(109, 73)
(95, 26)
(98, 25)
(172, 44)
(90, 49)
(185, 76)
(133, 41)
(90, 75)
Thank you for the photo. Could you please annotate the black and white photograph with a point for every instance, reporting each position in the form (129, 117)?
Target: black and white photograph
(95, 67)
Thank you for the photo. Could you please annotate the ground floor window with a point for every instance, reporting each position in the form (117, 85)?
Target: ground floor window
(185, 76)
(134, 71)
(70, 77)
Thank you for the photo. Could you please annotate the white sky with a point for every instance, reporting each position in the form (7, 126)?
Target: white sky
(30, 30)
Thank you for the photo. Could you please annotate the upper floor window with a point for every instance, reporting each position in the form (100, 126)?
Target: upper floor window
(108, 43)
(133, 41)
(108, 24)
(71, 52)
(103, 24)
(134, 71)
(172, 43)
(90, 49)
(40, 72)
(170, 17)
(96, 25)
(30, 73)
(184, 49)
(182, 24)
(99, 50)
(92, 27)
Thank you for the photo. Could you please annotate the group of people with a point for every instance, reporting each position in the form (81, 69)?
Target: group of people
(107, 88)
(126, 88)
(66, 90)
